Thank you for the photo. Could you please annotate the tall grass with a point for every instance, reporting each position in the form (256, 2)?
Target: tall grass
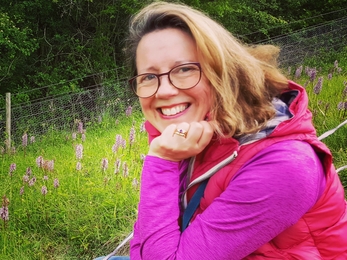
(90, 210)
(79, 209)
(328, 103)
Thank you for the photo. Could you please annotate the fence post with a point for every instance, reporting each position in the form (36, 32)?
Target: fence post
(8, 121)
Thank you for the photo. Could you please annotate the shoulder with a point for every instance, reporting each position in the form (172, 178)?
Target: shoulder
(285, 168)
(292, 153)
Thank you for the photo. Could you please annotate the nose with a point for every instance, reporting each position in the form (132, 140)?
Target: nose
(166, 89)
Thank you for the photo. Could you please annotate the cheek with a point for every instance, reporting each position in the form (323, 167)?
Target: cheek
(145, 106)
(205, 93)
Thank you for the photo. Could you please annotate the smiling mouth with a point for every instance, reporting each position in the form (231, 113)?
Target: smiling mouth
(173, 110)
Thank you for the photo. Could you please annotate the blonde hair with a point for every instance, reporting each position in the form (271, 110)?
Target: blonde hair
(244, 79)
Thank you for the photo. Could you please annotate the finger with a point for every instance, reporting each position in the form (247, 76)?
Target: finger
(182, 130)
(200, 135)
(196, 129)
(207, 134)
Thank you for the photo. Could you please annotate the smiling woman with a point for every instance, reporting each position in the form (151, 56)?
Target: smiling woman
(234, 168)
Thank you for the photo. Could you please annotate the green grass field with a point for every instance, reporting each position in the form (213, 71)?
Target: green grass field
(94, 206)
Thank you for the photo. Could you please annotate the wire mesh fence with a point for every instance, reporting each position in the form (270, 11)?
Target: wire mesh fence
(60, 112)
(63, 111)
(311, 41)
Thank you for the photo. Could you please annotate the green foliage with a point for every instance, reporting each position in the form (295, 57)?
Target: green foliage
(15, 41)
(48, 42)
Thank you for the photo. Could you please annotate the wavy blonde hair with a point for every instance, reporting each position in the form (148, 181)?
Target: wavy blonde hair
(244, 79)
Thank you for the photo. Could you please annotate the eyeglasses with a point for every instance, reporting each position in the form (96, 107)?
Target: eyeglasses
(184, 76)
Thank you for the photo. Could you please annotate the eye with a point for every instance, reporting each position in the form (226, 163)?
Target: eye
(146, 78)
(188, 69)
(149, 77)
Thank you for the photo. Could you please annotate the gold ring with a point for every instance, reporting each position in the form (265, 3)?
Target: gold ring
(181, 132)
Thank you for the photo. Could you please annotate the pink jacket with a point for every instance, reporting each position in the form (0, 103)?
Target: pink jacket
(320, 233)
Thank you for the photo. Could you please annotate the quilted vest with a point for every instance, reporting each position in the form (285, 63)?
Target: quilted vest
(321, 233)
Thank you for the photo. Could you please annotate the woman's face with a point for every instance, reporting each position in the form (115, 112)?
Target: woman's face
(158, 52)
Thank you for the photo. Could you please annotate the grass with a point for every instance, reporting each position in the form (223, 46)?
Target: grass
(90, 210)
(329, 106)
(93, 209)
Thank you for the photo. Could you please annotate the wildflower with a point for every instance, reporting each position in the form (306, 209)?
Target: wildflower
(56, 183)
(32, 139)
(78, 166)
(83, 137)
(79, 151)
(45, 178)
(4, 209)
(21, 191)
(80, 127)
(25, 140)
(135, 183)
(132, 135)
(119, 142)
(4, 213)
(128, 111)
(99, 119)
(339, 70)
(123, 144)
(12, 168)
(142, 156)
(116, 166)
(49, 165)
(336, 64)
(74, 136)
(298, 72)
(125, 170)
(32, 181)
(142, 127)
(341, 105)
(330, 76)
(289, 70)
(104, 164)
(114, 148)
(44, 190)
(344, 92)
(25, 178)
(28, 171)
(39, 161)
(317, 89)
(312, 74)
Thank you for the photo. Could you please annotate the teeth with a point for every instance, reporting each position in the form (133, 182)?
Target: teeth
(173, 110)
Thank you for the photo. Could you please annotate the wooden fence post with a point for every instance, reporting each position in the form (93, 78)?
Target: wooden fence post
(8, 122)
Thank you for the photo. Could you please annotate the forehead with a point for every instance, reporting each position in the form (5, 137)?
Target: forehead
(164, 49)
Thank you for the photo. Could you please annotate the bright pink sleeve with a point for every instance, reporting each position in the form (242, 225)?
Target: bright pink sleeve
(268, 195)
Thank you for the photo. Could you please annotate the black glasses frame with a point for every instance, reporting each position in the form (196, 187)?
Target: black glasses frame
(162, 74)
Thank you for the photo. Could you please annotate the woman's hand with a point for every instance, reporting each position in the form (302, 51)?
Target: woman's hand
(179, 142)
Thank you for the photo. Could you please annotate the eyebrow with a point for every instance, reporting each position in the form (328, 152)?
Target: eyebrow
(176, 63)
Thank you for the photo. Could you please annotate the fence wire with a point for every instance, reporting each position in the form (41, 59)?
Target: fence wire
(64, 111)
(311, 41)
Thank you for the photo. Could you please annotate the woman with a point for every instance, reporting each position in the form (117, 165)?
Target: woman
(224, 122)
